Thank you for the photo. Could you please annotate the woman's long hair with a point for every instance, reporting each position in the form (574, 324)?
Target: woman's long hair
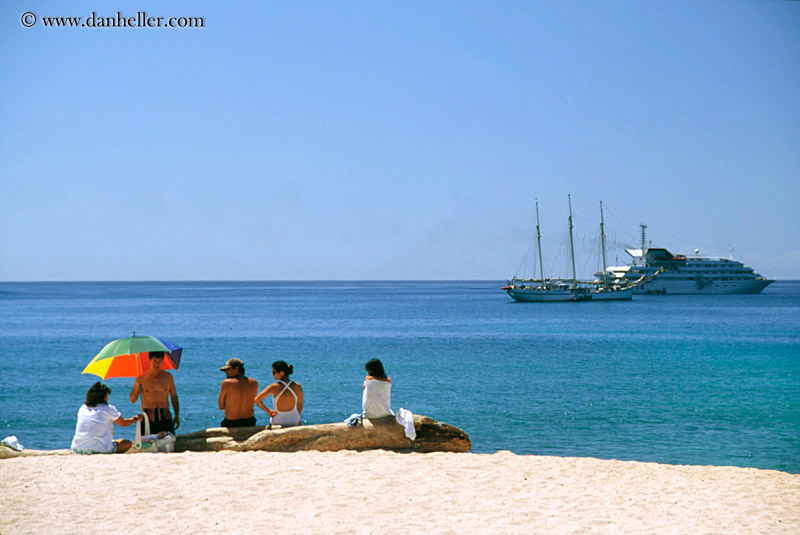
(97, 394)
(375, 368)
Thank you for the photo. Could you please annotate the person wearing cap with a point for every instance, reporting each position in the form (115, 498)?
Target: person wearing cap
(237, 396)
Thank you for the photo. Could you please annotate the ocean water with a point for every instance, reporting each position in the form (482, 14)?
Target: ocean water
(669, 379)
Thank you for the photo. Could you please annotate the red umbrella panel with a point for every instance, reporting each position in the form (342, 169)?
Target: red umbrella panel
(135, 364)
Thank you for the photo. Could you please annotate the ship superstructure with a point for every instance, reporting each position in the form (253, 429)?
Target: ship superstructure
(687, 274)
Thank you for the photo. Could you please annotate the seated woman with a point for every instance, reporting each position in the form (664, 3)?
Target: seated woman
(288, 400)
(94, 432)
(376, 402)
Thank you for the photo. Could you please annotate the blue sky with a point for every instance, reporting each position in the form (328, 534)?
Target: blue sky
(378, 140)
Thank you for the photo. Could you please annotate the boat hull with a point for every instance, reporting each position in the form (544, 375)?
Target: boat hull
(664, 286)
(537, 295)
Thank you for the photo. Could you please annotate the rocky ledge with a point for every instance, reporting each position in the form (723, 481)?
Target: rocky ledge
(379, 433)
(7, 452)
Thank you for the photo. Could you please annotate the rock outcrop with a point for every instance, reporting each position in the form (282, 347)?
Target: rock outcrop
(7, 452)
(381, 433)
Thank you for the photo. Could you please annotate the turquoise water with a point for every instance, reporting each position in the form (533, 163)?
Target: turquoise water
(670, 379)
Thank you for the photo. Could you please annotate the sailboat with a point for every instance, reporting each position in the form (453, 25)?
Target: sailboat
(559, 290)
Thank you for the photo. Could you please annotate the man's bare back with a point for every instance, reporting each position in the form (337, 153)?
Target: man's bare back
(236, 397)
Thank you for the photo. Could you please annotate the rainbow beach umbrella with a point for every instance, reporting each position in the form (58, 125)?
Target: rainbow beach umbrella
(129, 357)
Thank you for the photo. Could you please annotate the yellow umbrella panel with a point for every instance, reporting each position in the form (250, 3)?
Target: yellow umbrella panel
(129, 357)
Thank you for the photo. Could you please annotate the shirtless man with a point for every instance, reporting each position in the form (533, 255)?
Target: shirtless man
(157, 387)
(237, 395)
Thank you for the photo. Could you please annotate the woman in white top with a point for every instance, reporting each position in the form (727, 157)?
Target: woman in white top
(376, 402)
(288, 400)
(94, 432)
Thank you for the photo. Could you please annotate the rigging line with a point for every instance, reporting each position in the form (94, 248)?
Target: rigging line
(528, 265)
(563, 253)
(622, 225)
(527, 251)
(579, 212)
(584, 259)
(688, 243)
(547, 200)
(614, 246)
(522, 262)
(593, 259)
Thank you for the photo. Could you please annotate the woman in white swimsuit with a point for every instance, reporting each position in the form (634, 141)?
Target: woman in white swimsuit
(376, 402)
(288, 397)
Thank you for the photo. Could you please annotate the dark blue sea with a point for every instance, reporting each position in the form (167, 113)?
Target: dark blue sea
(670, 379)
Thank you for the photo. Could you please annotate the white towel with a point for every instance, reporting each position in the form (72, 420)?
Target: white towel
(406, 419)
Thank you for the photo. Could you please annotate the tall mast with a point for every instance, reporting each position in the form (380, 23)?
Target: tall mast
(643, 227)
(539, 243)
(571, 246)
(603, 246)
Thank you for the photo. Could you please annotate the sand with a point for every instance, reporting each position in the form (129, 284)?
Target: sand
(387, 493)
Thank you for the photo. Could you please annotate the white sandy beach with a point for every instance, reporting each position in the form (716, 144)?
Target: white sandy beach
(385, 492)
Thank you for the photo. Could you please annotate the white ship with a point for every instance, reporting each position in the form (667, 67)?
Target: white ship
(686, 274)
(553, 290)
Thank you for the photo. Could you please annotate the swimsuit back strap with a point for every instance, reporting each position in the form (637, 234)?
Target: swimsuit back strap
(285, 388)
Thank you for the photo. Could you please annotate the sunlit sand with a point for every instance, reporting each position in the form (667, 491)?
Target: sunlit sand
(385, 492)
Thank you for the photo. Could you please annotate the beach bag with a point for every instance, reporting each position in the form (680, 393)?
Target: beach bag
(165, 444)
(12, 443)
(146, 446)
(148, 443)
(354, 420)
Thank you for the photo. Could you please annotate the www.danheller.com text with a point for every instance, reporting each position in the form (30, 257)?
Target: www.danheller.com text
(141, 20)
